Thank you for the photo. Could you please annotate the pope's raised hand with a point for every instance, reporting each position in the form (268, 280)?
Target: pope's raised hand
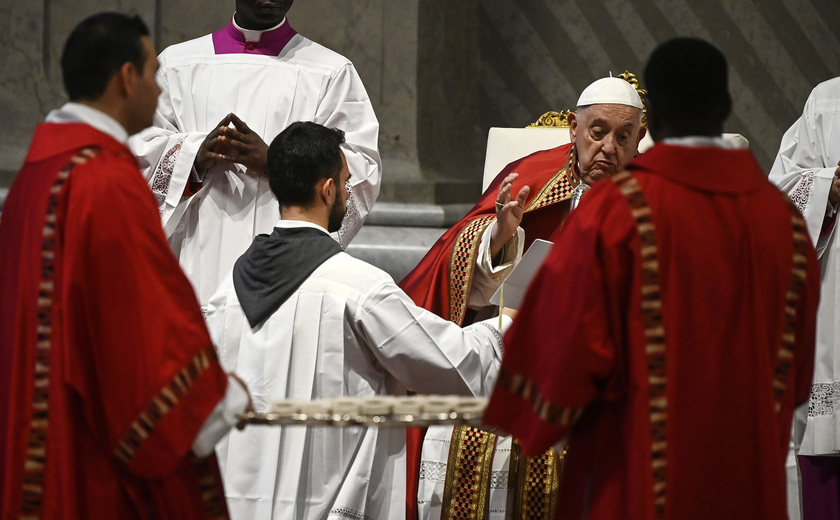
(509, 210)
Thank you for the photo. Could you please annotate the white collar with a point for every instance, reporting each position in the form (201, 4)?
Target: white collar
(298, 223)
(717, 141)
(80, 113)
(252, 35)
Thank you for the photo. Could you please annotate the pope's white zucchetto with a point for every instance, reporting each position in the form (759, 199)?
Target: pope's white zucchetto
(610, 91)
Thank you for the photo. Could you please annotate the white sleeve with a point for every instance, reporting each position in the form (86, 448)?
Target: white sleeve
(346, 106)
(803, 168)
(488, 278)
(425, 352)
(166, 156)
(223, 417)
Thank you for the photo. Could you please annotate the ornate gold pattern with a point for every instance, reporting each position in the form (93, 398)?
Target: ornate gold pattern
(537, 483)
(468, 473)
(629, 77)
(560, 187)
(462, 266)
(801, 243)
(654, 330)
(552, 119)
(36, 451)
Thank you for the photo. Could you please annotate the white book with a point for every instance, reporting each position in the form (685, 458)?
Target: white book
(516, 284)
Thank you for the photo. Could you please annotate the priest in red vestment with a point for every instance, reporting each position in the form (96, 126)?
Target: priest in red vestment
(111, 395)
(671, 336)
(605, 133)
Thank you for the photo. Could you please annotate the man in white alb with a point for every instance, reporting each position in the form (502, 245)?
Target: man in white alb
(807, 168)
(223, 95)
(301, 320)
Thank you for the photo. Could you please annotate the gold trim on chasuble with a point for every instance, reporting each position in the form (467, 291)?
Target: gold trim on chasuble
(654, 328)
(162, 403)
(36, 451)
(471, 450)
(801, 243)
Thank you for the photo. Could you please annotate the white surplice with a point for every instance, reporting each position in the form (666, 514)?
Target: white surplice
(804, 169)
(347, 331)
(306, 82)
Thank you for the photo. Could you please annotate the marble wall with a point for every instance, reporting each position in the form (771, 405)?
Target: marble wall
(440, 73)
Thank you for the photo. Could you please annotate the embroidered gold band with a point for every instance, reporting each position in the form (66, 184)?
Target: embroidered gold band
(36, 451)
(462, 266)
(560, 187)
(160, 405)
(536, 483)
(654, 331)
(801, 243)
(465, 493)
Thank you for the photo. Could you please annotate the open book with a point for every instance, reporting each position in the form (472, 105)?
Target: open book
(513, 289)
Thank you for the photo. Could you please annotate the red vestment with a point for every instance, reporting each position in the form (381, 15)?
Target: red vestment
(670, 338)
(107, 369)
(442, 280)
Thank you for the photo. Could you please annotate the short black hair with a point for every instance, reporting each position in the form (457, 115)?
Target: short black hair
(299, 157)
(687, 83)
(97, 48)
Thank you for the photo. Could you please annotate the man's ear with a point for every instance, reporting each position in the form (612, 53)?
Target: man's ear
(642, 133)
(572, 119)
(127, 78)
(327, 191)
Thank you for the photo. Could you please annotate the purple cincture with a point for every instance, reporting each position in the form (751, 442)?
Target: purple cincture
(229, 40)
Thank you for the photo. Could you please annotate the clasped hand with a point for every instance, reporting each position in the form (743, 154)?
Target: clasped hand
(237, 143)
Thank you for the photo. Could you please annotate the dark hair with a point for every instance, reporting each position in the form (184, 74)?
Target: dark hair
(299, 157)
(97, 48)
(686, 80)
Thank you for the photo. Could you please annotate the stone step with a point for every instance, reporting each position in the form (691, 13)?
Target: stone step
(396, 236)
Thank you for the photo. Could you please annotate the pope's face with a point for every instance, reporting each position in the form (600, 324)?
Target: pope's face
(606, 138)
(261, 14)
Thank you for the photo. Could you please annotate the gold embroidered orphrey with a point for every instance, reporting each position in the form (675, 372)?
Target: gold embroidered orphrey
(654, 327)
(210, 487)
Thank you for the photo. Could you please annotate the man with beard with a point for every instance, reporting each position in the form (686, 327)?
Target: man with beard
(303, 320)
(223, 95)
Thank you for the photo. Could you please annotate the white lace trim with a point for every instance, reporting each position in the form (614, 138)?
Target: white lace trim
(163, 174)
(432, 471)
(349, 513)
(802, 193)
(825, 399)
(352, 220)
(436, 472)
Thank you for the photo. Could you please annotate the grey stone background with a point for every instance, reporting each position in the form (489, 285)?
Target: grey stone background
(440, 73)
